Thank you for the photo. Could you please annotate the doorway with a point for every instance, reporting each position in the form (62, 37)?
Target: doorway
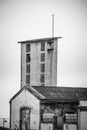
(25, 118)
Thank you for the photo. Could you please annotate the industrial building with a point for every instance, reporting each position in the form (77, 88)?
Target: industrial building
(39, 62)
(40, 104)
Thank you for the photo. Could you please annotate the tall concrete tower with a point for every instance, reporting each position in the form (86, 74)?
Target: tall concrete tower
(39, 62)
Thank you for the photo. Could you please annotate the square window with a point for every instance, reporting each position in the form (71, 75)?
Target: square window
(42, 46)
(28, 58)
(42, 78)
(28, 68)
(42, 56)
(28, 48)
(27, 79)
(42, 67)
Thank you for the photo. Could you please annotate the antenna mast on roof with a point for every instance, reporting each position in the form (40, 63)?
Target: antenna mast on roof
(52, 25)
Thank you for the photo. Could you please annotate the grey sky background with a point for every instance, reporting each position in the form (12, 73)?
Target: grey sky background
(31, 19)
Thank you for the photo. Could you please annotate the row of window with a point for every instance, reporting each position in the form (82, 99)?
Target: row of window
(42, 68)
(28, 59)
(28, 47)
(42, 79)
(28, 68)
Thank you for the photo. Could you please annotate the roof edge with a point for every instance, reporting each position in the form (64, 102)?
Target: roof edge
(17, 94)
(39, 40)
(30, 89)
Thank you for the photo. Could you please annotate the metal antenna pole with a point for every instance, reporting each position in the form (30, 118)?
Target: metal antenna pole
(52, 25)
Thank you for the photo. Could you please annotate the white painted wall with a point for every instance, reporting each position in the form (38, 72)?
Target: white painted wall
(25, 98)
(83, 120)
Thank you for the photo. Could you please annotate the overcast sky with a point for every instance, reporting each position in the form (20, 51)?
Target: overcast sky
(31, 19)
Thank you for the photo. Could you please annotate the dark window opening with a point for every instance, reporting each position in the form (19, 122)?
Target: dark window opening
(42, 56)
(50, 46)
(27, 79)
(42, 78)
(50, 42)
(42, 46)
(28, 68)
(28, 58)
(28, 48)
(42, 67)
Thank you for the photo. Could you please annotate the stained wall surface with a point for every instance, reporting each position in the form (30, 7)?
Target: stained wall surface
(25, 99)
(50, 62)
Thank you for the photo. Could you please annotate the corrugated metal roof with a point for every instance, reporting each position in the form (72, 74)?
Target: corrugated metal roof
(62, 93)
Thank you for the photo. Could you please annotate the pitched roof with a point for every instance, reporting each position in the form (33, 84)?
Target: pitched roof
(62, 93)
(29, 89)
(39, 40)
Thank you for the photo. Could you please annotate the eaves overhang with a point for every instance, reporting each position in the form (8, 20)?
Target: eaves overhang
(39, 40)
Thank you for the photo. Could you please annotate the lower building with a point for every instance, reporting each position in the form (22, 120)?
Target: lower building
(49, 108)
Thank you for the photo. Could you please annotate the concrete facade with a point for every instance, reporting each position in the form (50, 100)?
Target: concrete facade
(25, 100)
(83, 115)
(50, 62)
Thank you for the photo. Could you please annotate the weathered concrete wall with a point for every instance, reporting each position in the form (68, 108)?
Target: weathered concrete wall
(25, 99)
(35, 64)
(50, 64)
(23, 65)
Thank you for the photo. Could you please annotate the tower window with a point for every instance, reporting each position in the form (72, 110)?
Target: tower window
(28, 48)
(28, 68)
(28, 58)
(42, 56)
(50, 42)
(42, 46)
(42, 67)
(42, 78)
(27, 79)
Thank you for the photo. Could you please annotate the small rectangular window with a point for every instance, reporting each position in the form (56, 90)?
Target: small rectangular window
(28, 68)
(42, 56)
(42, 46)
(42, 67)
(28, 48)
(27, 79)
(28, 58)
(42, 78)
